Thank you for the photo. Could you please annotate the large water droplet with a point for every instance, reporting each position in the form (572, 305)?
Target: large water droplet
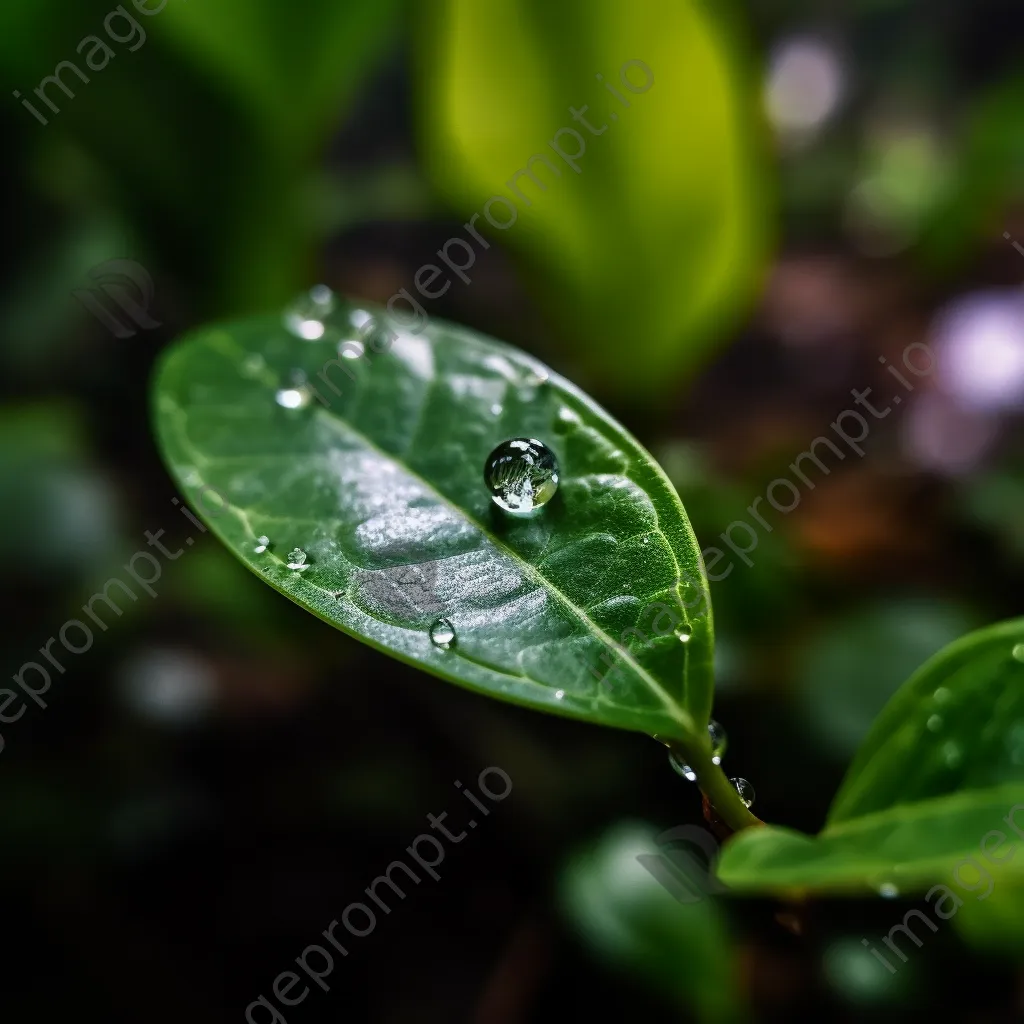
(262, 543)
(718, 741)
(1018, 652)
(745, 790)
(442, 633)
(297, 560)
(522, 474)
(306, 316)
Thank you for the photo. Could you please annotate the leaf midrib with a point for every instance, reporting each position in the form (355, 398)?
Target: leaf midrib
(542, 581)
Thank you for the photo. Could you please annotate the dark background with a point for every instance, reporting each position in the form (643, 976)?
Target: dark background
(221, 775)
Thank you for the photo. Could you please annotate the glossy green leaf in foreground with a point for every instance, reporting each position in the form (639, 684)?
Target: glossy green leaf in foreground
(941, 769)
(381, 486)
(647, 246)
(673, 935)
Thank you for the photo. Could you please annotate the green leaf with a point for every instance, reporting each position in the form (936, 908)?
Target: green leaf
(911, 847)
(658, 232)
(384, 491)
(633, 922)
(957, 723)
(941, 768)
(293, 72)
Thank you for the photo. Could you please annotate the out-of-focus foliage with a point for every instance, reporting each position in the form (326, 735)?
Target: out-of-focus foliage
(650, 250)
(58, 513)
(849, 672)
(205, 137)
(634, 923)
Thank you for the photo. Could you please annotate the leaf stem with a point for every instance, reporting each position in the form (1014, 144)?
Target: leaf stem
(718, 789)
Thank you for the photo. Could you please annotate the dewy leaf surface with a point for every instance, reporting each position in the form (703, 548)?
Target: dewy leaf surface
(942, 767)
(956, 724)
(381, 486)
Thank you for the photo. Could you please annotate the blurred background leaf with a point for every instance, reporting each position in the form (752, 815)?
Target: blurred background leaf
(634, 924)
(647, 255)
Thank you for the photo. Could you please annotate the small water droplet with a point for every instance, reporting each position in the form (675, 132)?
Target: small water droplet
(297, 560)
(306, 315)
(359, 318)
(253, 365)
(683, 633)
(559, 694)
(191, 477)
(888, 891)
(647, 540)
(442, 634)
(941, 695)
(522, 474)
(262, 543)
(745, 790)
(681, 769)
(535, 378)
(952, 754)
(718, 741)
(297, 396)
(351, 349)
(934, 723)
(1018, 653)
(566, 420)
(496, 409)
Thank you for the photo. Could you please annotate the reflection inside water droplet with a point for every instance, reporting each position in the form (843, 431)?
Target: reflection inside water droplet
(297, 560)
(522, 474)
(262, 543)
(745, 791)
(683, 633)
(442, 633)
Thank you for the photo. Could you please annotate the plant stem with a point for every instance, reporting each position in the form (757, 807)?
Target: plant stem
(719, 790)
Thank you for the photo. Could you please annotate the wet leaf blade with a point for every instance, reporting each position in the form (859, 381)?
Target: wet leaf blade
(956, 724)
(912, 847)
(381, 486)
